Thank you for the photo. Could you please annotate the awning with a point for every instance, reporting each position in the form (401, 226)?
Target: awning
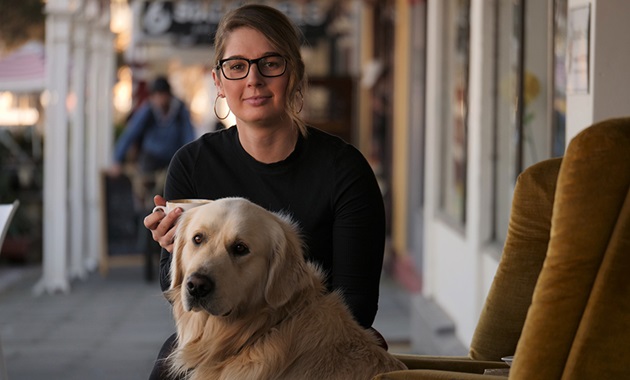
(24, 69)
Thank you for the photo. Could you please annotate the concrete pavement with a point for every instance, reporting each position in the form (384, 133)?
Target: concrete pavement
(113, 327)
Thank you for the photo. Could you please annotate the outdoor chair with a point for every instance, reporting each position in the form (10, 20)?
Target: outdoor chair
(578, 323)
(6, 214)
(503, 315)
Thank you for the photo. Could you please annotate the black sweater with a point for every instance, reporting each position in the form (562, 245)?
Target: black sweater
(326, 185)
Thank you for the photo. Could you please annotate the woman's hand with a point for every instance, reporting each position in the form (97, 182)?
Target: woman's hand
(161, 224)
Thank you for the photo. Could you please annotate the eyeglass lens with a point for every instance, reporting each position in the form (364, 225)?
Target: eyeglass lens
(238, 68)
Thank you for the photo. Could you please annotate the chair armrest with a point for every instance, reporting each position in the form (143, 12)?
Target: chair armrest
(419, 374)
(448, 363)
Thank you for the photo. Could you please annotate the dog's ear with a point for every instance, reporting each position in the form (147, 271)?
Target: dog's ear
(177, 272)
(287, 271)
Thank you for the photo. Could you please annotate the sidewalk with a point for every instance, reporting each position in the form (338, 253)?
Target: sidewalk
(112, 328)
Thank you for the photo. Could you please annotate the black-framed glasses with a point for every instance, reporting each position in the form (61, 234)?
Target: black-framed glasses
(269, 66)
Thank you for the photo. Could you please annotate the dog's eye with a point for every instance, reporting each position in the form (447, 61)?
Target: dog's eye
(239, 249)
(197, 239)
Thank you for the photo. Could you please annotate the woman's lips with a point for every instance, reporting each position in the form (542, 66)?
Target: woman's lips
(257, 100)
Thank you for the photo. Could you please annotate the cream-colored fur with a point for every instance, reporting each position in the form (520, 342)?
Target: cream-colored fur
(266, 314)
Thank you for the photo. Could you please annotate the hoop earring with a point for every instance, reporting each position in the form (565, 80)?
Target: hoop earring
(215, 109)
(302, 101)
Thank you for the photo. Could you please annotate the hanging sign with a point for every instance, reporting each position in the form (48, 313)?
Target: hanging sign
(195, 22)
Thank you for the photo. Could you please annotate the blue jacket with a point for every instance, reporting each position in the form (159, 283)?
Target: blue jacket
(157, 135)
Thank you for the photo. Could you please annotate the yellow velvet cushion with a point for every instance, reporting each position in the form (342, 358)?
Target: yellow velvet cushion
(503, 315)
(577, 326)
(601, 348)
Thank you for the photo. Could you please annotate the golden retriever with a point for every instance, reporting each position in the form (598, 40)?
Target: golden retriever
(247, 305)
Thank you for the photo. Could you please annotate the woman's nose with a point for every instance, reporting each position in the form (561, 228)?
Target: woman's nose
(254, 78)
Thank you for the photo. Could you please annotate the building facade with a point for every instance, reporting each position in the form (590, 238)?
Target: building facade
(506, 84)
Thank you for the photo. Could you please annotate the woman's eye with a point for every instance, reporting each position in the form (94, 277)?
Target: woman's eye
(237, 67)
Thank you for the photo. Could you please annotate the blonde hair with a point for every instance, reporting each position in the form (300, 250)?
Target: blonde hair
(285, 38)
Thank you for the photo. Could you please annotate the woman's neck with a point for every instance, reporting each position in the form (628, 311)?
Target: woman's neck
(268, 145)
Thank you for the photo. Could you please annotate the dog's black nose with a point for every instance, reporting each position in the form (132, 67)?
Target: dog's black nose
(198, 285)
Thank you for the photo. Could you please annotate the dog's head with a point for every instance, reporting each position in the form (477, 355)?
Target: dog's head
(232, 256)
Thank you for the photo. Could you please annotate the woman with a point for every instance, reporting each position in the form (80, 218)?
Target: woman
(273, 159)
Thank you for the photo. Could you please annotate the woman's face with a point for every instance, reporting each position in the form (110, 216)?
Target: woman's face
(254, 99)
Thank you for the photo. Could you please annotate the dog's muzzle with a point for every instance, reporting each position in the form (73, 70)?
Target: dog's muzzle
(199, 286)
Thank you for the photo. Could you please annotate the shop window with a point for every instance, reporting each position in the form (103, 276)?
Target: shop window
(455, 112)
(417, 98)
(529, 101)
(329, 105)
(559, 114)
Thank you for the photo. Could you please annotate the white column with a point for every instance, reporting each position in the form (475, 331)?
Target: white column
(78, 153)
(55, 213)
(92, 177)
(103, 44)
(108, 104)
(107, 80)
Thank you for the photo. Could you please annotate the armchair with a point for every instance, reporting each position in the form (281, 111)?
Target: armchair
(503, 315)
(569, 293)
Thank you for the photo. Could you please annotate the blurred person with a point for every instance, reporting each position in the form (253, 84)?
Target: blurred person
(154, 132)
(156, 129)
(273, 159)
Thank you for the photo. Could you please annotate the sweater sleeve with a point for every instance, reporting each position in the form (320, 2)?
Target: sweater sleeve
(358, 235)
(132, 133)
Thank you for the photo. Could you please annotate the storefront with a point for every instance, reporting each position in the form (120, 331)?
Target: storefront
(507, 85)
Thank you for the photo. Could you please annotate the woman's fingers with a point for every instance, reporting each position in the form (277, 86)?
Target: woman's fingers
(164, 232)
(152, 220)
(159, 200)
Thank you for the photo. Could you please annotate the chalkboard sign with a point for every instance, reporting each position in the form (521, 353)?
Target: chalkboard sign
(120, 222)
